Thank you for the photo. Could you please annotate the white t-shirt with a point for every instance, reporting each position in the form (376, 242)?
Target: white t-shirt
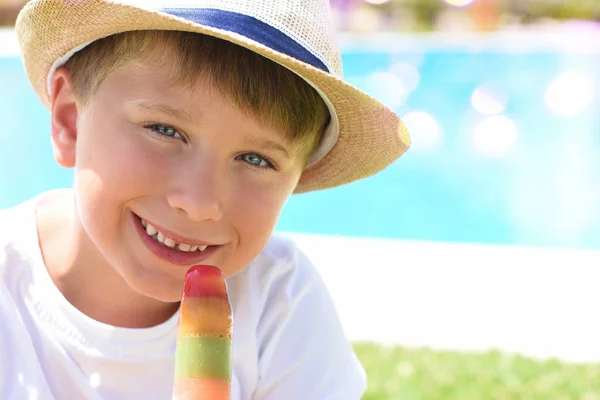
(288, 342)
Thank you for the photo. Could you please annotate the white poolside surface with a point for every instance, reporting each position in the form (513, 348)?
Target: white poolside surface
(8, 43)
(541, 303)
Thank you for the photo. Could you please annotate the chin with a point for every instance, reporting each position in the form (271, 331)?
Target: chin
(163, 296)
(164, 289)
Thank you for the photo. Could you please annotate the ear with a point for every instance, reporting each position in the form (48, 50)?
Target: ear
(64, 113)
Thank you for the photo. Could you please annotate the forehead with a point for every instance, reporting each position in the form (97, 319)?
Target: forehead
(153, 88)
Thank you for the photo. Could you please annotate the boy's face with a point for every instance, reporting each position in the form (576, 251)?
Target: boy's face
(183, 159)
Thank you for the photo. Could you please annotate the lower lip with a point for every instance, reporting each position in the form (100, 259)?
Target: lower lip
(172, 256)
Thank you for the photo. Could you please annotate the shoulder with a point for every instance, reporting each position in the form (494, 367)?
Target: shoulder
(282, 267)
(11, 222)
(8, 217)
(281, 271)
(17, 233)
(304, 352)
(278, 250)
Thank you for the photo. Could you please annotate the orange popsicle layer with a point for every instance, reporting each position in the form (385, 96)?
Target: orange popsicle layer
(205, 316)
(201, 388)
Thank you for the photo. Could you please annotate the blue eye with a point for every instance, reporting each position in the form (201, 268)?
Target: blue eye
(256, 160)
(164, 130)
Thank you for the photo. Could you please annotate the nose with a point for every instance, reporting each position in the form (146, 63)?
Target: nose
(196, 193)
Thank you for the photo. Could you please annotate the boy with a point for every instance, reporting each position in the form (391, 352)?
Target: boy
(188, 128)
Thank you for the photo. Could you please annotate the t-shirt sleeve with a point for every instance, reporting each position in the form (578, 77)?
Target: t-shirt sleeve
(304, 353)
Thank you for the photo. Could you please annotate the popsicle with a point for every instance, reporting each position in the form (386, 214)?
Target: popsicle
(204, 337)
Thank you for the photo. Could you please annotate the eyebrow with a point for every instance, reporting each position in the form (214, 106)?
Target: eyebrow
(163, 109)
(268, 145)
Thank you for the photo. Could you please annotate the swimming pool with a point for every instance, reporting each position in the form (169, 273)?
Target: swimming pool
(506, 133)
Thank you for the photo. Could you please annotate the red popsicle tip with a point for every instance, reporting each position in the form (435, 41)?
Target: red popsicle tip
(203, 271)
(204, 281)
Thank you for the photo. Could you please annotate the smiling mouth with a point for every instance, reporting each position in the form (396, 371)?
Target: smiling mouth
(168, 242)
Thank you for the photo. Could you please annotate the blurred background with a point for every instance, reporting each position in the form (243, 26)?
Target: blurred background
(470, 268)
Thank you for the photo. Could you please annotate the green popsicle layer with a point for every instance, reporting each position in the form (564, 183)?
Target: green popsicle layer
(203, 357)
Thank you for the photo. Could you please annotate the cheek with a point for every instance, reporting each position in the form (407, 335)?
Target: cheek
(256, 209)
(116, 161)
(113, 167)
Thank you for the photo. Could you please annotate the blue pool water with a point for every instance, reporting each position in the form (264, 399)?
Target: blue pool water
(529, 175)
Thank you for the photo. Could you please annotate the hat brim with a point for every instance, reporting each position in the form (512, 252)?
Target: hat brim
(370, 136)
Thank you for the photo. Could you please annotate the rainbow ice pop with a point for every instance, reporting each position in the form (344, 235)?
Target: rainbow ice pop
(203, 355)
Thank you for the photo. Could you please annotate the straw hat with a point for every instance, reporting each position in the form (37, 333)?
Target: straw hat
(363, 137)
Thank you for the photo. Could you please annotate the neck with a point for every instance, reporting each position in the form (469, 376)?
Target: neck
(84, 276)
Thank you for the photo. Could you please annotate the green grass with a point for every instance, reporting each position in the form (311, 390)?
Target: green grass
(424, 374)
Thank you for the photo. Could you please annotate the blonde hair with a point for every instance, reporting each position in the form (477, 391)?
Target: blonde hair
(273, 94)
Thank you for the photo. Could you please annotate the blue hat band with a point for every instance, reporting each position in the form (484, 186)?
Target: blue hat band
(249, 27)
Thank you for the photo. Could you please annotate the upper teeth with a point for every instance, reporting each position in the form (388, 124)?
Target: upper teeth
(167, 241)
